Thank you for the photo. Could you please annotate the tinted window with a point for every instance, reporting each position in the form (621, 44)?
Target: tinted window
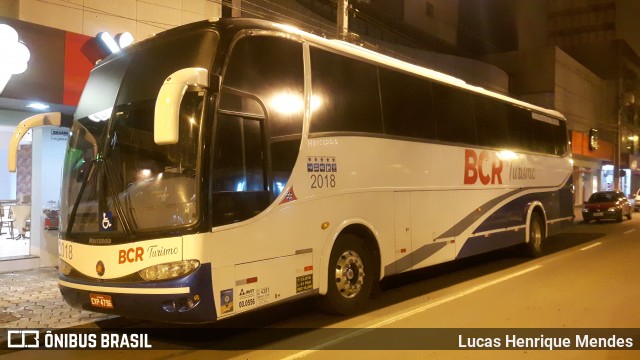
(240, 103)
(407, 105)
(560, 138)
(271, 69)
(238, 157)
(543, 136)
(519, 127)
(491, 122)
(345, 94)
(284, 154)
(455, 118)
(239, 181)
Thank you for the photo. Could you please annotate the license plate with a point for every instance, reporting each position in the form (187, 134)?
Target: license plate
(101, 301)
(598, 214)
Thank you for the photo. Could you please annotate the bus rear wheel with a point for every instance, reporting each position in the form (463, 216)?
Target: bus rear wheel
(350, 276)
(534, 247)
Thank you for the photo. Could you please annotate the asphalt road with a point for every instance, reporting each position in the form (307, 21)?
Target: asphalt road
(589, 279)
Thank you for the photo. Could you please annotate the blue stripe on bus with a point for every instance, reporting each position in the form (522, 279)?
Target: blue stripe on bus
(557, 205)
(481, 244)
(151, 306)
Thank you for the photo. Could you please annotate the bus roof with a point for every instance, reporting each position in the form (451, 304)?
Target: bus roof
(367, 54)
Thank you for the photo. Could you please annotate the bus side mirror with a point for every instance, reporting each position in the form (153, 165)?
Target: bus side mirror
(167, 111)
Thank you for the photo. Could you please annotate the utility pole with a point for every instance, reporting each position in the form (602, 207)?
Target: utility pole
(343, 18)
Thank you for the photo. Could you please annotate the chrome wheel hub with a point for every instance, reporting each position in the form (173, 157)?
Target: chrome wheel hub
(349, 275)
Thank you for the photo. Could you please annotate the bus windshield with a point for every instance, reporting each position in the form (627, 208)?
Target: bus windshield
(116, 180)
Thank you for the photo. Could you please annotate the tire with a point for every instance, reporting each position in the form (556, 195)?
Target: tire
(619, 216)
(350, 276)
(534, 247)
(629, 215)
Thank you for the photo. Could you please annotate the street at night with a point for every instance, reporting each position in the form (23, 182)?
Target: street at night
(587, 280)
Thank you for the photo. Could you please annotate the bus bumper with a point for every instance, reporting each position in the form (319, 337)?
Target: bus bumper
(184, 300)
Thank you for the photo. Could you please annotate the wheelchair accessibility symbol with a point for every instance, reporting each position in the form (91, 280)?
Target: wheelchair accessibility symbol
(107, 221)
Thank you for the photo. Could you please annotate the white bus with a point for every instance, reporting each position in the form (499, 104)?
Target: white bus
(228, 165)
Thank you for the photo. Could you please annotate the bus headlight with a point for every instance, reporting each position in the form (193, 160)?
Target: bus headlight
(64, 268)
(169, 270)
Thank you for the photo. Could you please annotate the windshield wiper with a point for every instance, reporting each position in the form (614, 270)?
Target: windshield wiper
(116, 201)
(111, 185)
(76, 204)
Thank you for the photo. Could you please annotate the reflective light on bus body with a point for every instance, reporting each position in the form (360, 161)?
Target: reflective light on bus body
(316, 102)
(287, 104)
(279, 186)
(241, 186)
(507, 155)
(102, 115)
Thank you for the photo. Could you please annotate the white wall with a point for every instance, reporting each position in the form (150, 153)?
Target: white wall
(46, 180)
(142, 18)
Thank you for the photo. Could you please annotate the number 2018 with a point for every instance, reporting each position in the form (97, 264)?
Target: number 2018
(319, 181)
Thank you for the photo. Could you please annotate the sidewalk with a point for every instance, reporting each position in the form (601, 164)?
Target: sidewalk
(31, 300)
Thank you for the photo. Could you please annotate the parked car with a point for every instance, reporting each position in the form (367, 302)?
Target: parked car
(607, 205)
(636, 201)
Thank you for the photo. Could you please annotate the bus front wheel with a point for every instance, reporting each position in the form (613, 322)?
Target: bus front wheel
(350, 276)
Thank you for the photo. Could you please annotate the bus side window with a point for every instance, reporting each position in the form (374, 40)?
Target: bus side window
(491, 122)
(560, 139)
(543, 137)
(455, 117)
(519, 125)
(407, 105)
(239, 187)
(346, 94)
(259, 126)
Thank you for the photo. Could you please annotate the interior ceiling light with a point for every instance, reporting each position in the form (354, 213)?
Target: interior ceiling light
(37, 106)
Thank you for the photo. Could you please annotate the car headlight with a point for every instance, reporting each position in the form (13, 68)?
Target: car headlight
(612, 209)
(585, 210)
(169, 270)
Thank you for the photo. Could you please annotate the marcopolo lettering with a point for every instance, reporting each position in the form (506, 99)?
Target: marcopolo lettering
(484, 166)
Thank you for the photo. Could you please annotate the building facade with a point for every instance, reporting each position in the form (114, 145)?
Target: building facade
(579, 57)
(60, 37)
